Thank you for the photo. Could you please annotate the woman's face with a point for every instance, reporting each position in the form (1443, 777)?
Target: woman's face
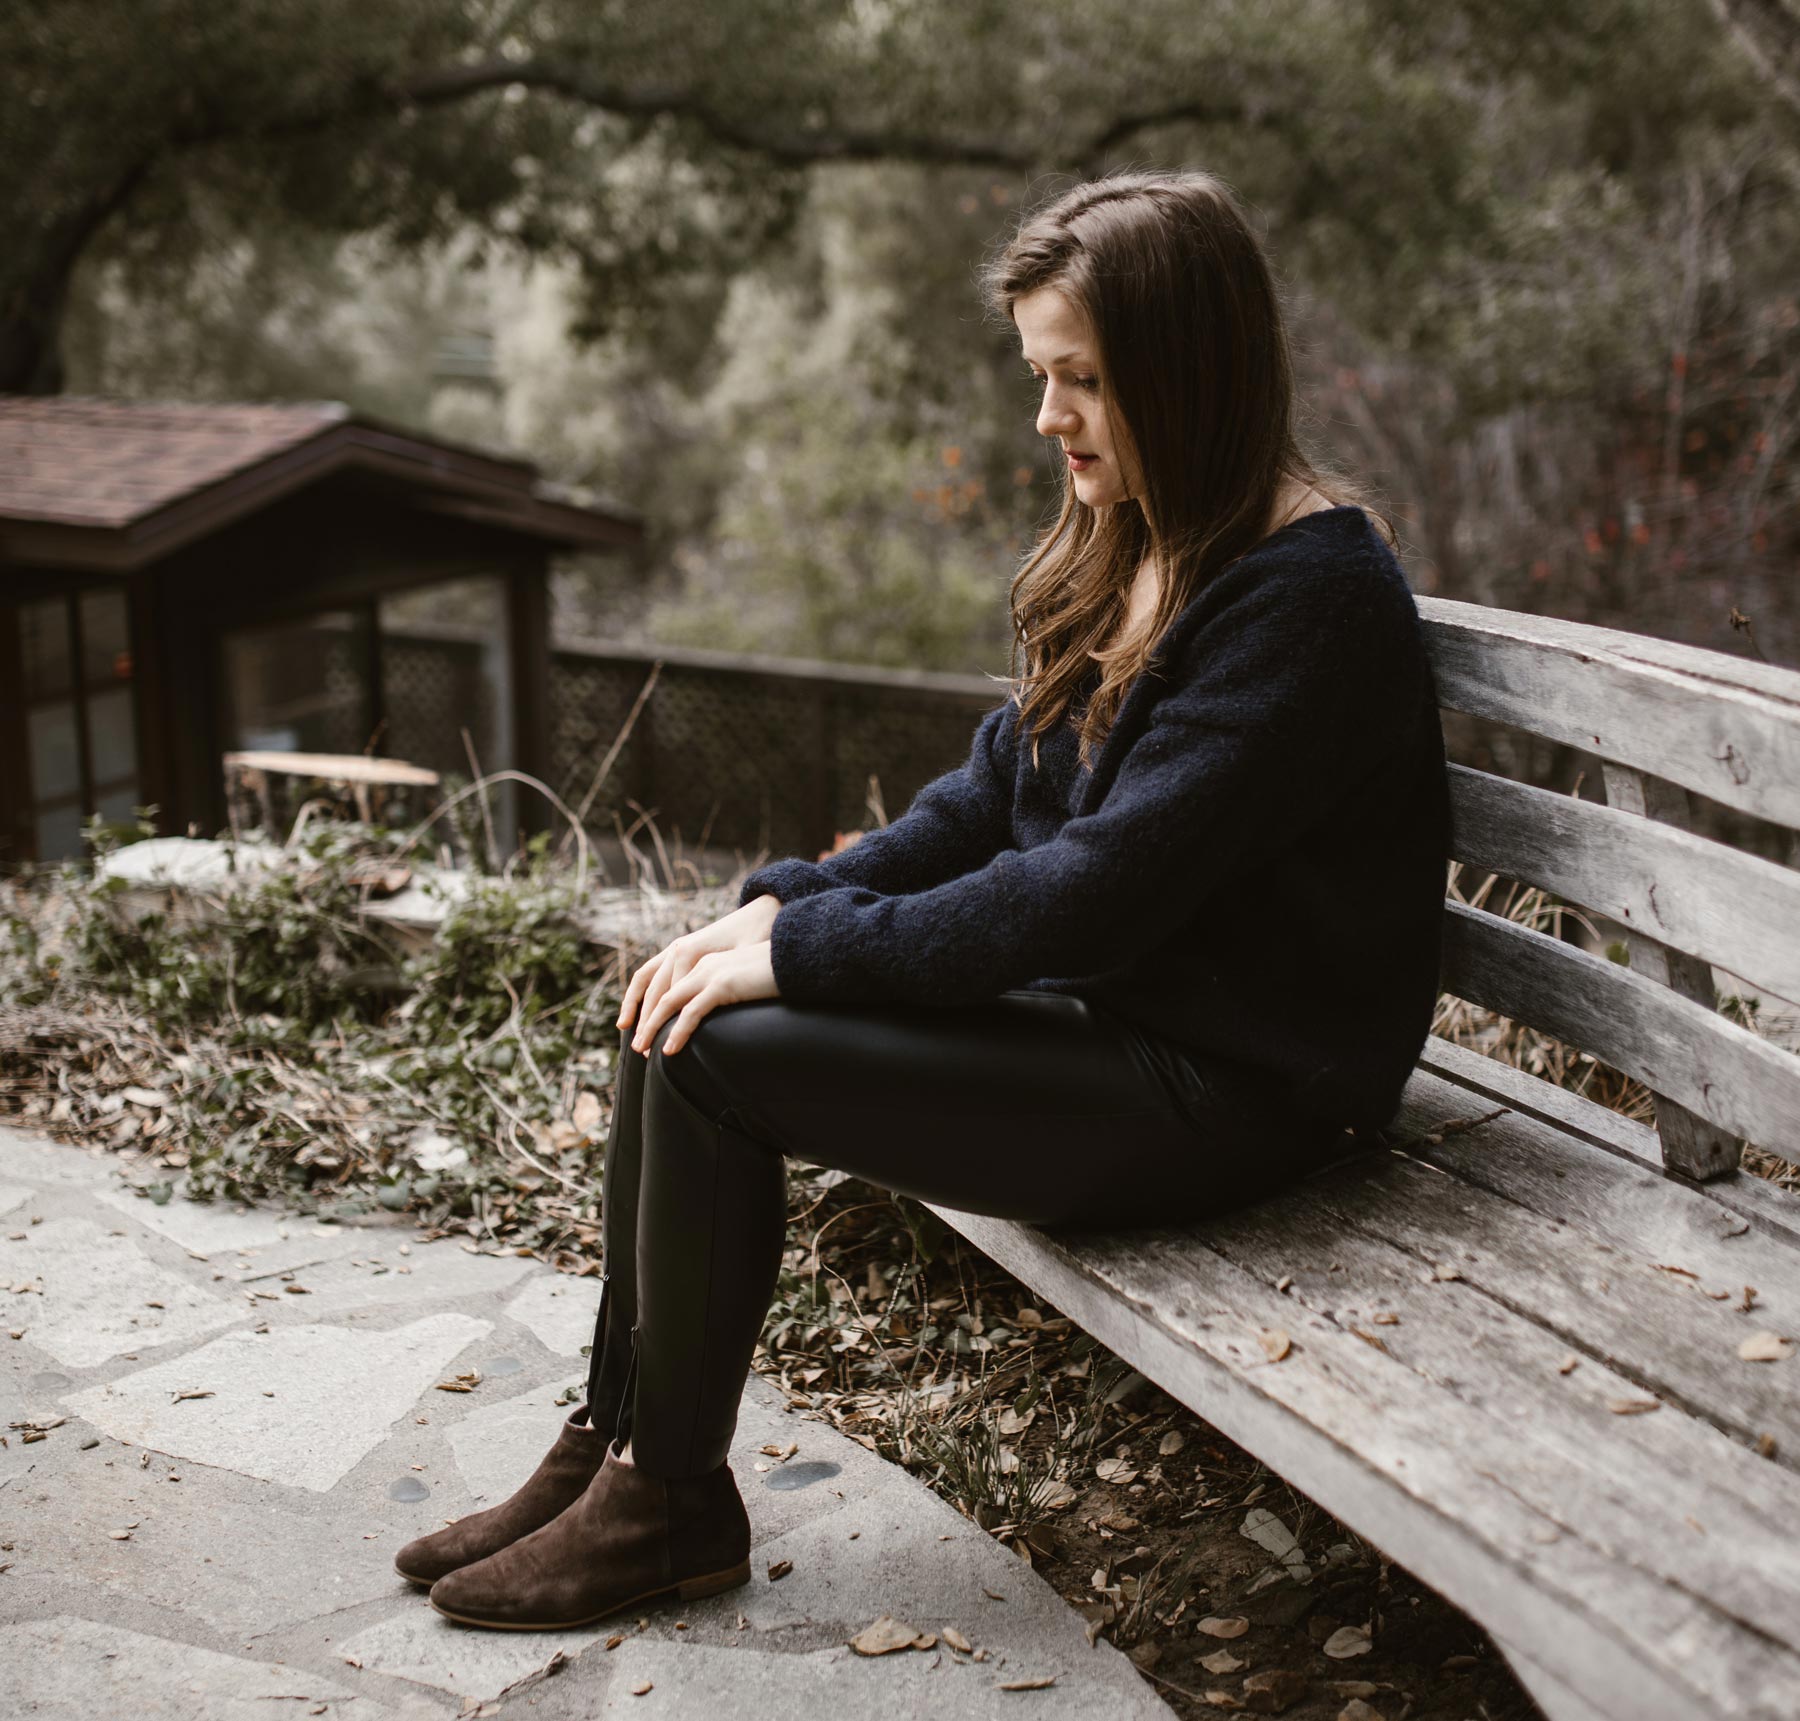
(1060, 348)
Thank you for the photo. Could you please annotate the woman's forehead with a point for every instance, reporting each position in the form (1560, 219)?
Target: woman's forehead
(1052, 330)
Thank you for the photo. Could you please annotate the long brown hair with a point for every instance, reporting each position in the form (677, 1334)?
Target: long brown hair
(1195, 370)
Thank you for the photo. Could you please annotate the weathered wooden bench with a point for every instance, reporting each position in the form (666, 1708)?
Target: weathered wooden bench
(1479, 1318)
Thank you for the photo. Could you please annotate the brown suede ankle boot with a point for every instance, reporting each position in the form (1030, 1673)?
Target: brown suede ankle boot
(567, 1468)
(631, 1537)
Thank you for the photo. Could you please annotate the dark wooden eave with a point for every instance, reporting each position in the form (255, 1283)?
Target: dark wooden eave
(461, 482)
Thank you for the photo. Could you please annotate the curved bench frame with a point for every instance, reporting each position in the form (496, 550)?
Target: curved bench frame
(1545, 1261)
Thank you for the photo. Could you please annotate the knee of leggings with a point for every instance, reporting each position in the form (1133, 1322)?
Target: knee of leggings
(687, 1073)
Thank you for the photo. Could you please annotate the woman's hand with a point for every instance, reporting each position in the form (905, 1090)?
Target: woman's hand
(719, 977)
(746, 926)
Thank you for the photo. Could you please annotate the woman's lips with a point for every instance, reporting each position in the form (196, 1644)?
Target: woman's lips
(1079, 462)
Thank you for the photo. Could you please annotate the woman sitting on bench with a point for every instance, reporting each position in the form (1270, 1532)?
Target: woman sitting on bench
(1098, 975)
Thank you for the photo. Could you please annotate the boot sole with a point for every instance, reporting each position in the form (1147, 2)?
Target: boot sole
(689, 1589)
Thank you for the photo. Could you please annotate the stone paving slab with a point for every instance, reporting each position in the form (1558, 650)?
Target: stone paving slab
(560, 1309)
(231, 1555)
(86, 1294)
(70, 1669)
(303, 1406)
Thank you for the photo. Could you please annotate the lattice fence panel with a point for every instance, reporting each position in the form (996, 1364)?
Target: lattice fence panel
(901, 738)
(738, 758)
(432, 689)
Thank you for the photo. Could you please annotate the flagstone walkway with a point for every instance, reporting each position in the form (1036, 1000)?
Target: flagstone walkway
(251, 1425)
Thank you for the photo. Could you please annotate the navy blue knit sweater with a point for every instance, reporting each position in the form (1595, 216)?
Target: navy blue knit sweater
(1254, 867)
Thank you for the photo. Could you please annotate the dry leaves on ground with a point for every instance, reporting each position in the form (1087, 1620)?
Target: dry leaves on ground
(1764, 1347)
(1214, 1626)
(1346, 1641)
(885, 1635)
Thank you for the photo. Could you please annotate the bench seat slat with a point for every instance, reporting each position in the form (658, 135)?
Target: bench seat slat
(1735, 910)
(1667, 709)
(1441, 1486)
(1716, 1069)
(1654, 1472)
(1656, 1328)
(1554, 1172)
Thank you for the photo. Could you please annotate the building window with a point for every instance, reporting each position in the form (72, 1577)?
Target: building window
(80, 727)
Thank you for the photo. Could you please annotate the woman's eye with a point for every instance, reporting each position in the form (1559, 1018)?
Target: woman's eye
(1087, 382)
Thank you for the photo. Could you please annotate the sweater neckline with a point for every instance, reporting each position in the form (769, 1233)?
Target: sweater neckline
(1338, 515)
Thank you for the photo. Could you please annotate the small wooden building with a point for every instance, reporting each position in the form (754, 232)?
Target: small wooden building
(180, 580)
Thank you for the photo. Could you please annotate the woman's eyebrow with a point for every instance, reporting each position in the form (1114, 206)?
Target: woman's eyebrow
(1060, 359)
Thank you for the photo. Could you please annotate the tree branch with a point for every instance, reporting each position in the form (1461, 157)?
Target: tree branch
(804, 147)
(1769, 33)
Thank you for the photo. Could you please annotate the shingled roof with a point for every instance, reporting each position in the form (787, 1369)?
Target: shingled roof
(115, 483)
(107, 463)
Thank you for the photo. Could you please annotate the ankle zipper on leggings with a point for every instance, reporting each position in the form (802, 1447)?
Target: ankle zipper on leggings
(597, 1351)
(622, 1433)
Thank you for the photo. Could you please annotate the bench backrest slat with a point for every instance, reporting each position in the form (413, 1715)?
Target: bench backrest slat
(1706, 1063)
(1665, 720)
(1727, 729)
(1734, 909)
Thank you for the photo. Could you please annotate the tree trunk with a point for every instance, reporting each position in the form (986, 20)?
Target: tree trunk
(33, 299)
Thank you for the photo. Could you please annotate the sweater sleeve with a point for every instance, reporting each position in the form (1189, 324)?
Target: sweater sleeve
(1289, 693)
(954, 824)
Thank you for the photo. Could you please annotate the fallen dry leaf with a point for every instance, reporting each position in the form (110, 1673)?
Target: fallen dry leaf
(955, 1639)
(885, 1635)
(1273, 1690)
(1274, 1341)
(1221, 1661)
(1443, 1270)
(1567, 1363)
(779, 1569)
(1355, 1687)
(1043, 1683)
(1357, 1710)
(1346, 1641)
(1632, 1406)
(1764, 1347)
(1222, 1700)
(1171, 1443)
(1115, 1470)
(643, 1688)
(1235, 1626)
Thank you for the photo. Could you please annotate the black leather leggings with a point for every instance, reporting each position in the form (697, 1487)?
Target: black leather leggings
(1033, 1106)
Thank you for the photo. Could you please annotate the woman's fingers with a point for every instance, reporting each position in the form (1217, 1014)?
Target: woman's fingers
(720, 977)
(640, 985)
(660, 1008)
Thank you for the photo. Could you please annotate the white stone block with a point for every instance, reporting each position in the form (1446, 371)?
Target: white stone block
(338, 1391)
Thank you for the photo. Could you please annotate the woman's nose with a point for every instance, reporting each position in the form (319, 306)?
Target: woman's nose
(1055, 419)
